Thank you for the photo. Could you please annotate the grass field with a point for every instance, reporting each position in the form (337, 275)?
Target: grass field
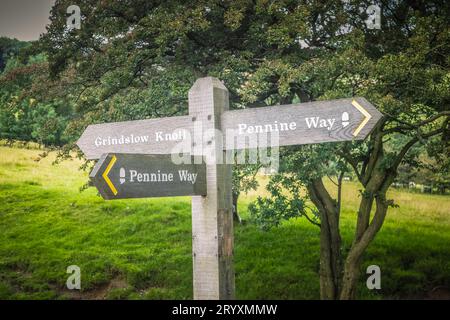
(141, 249)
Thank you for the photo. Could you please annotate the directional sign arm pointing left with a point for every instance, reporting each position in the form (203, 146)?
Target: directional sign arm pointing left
(100, 176)
(106, 172)
(155, 176)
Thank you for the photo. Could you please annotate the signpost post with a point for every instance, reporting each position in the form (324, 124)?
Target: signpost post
(135, 161)
(212, 216)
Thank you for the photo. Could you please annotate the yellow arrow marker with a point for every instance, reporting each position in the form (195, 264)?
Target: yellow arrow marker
(105, 175)
(366, 115)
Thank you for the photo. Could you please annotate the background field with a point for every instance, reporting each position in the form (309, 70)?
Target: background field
(141, 249)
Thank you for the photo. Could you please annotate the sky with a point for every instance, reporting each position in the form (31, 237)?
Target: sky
(24, 19)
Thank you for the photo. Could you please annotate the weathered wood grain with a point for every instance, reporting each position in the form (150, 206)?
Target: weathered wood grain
(157, 167)
(150, 130)
(212, 220)
(298, 113)
(162, 136)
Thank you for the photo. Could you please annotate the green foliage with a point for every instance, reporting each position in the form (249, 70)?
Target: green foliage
(24, 113)
(281, 205)
(141, 249)
(47, 126)
(9, 48)
(137, 59)
(287, 189)
(400, 77)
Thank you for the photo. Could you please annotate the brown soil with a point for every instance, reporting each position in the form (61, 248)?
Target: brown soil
(98, 293)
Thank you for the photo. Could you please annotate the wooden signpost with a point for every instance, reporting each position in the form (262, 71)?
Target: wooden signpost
(135, 162)
(303, 123)
(151, 136)
(119, 176)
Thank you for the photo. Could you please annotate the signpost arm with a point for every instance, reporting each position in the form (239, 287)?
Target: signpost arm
(212, 219)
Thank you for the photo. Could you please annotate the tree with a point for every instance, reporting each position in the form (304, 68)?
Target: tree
(407, 84)
(419, 167)
(26, 113)
(269, 53)
(244, 180)
(9, 48)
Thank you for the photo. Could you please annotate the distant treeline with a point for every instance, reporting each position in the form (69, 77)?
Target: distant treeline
(27, 113)
(36, 106)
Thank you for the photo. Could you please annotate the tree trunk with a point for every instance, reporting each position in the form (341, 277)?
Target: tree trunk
(236, 216)
(328, 260)
(337, 281)
(353, 262)
(350, 277)
(366, 230)
(330, 241)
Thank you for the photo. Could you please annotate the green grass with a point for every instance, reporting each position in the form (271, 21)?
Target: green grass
(141, 249)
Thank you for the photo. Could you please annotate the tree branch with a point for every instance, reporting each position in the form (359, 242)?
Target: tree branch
(413, 141)
(311, 220)
(377, 139)
(409, 126)
(353, 163)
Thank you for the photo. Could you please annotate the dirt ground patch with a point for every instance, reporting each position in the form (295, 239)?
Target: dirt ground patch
(98, 293)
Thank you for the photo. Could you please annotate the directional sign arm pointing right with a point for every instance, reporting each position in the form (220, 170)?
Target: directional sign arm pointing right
(366, 115)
